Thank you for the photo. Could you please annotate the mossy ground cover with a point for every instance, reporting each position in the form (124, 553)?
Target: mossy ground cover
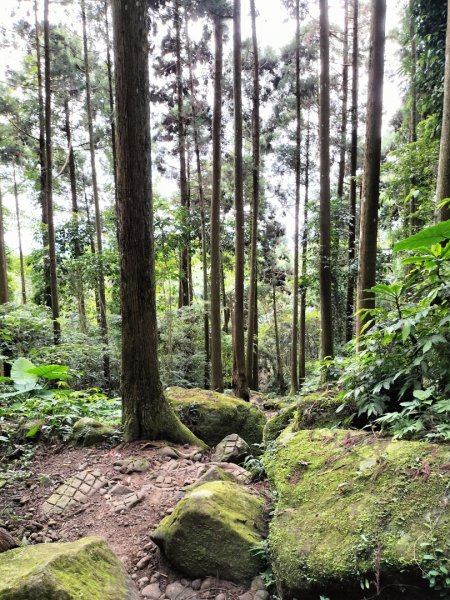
(354, 510)
(79, 570)
(212, 416)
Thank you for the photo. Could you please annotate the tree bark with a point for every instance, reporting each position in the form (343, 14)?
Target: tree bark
(19, 237)
(413, 221)
(98, 218)
(252, 339)
(4, 294)
(112, 122)
(344, 114)
(351, 281)
(146, 412)
(294, 345)
(49, 181)
(216, 334)
(201, 195)
(443, 181)
(239, 378)
(184, 299)
(326, 320)
(303, 288)
(372, 167)
(279, 378)
(42, 164)
(76, 242)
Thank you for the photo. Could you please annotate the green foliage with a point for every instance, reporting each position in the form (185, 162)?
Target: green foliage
(399, 374)
(28, 396)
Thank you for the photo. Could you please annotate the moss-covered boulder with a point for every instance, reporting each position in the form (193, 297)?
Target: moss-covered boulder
(279, 422)
(212, 532)
(355, 511)
(82, 570)
(88, 432)
(318, 409)
(212, 416)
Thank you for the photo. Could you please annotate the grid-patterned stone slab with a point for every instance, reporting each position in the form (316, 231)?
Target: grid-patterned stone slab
(75, 492)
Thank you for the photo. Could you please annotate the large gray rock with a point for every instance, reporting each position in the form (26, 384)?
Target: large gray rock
(231, 449)
(83, 570)
(212, 532)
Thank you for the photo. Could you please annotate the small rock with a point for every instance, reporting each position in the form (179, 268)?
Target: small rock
(167, 451)
(195, 585)
(154, 578)
(142, 582)
(262, 595)
(152, 591)
(144, 561)
(176, 591)
(257, 584)
(246, 596)
(220, 597)
(184, 582)
(119, 489)
(208, 583)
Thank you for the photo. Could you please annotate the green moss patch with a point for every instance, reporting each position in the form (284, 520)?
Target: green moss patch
(88, 432)
(81, 570)
(212, 532)
(277, 424)
(212, 416)
(318, 409)
(355, 511)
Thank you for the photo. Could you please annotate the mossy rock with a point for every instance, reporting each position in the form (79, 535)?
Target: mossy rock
(212, 416)
(214, 473)
(278, 423)
(355, 508)
(30, 429)
(88, 432)
(82, 570)
(212, 532)
(318, 409)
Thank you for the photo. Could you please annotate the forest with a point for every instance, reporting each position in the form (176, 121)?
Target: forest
(224, 300)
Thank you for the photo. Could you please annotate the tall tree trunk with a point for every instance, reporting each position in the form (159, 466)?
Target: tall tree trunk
(201, 196)
(225, 303)
(112, 121)
(4, 294)
(372, 166)
(19, 237)
(216, 334)
(279, 378)
(326, 319)
(76, 244)
(49, 181)
(413, 221)
(98, 219)
(294, 345)
(184, 254)
(344, 115)
(303, 288)
(351, 281)
(42, 163)
(443, 181)
(252, 339)
(239, 378)
(146, 412)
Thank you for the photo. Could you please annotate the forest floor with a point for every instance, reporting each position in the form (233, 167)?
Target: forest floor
(119, 494)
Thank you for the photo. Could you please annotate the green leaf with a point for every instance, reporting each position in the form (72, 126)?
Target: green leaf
(423, 394)
(406, 331)
(51, 372)
(425, 238)
(23, 380)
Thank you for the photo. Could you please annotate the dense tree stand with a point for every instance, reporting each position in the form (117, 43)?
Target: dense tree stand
(146, 412)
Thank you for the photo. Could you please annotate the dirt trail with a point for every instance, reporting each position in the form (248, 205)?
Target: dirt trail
(119, 494)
